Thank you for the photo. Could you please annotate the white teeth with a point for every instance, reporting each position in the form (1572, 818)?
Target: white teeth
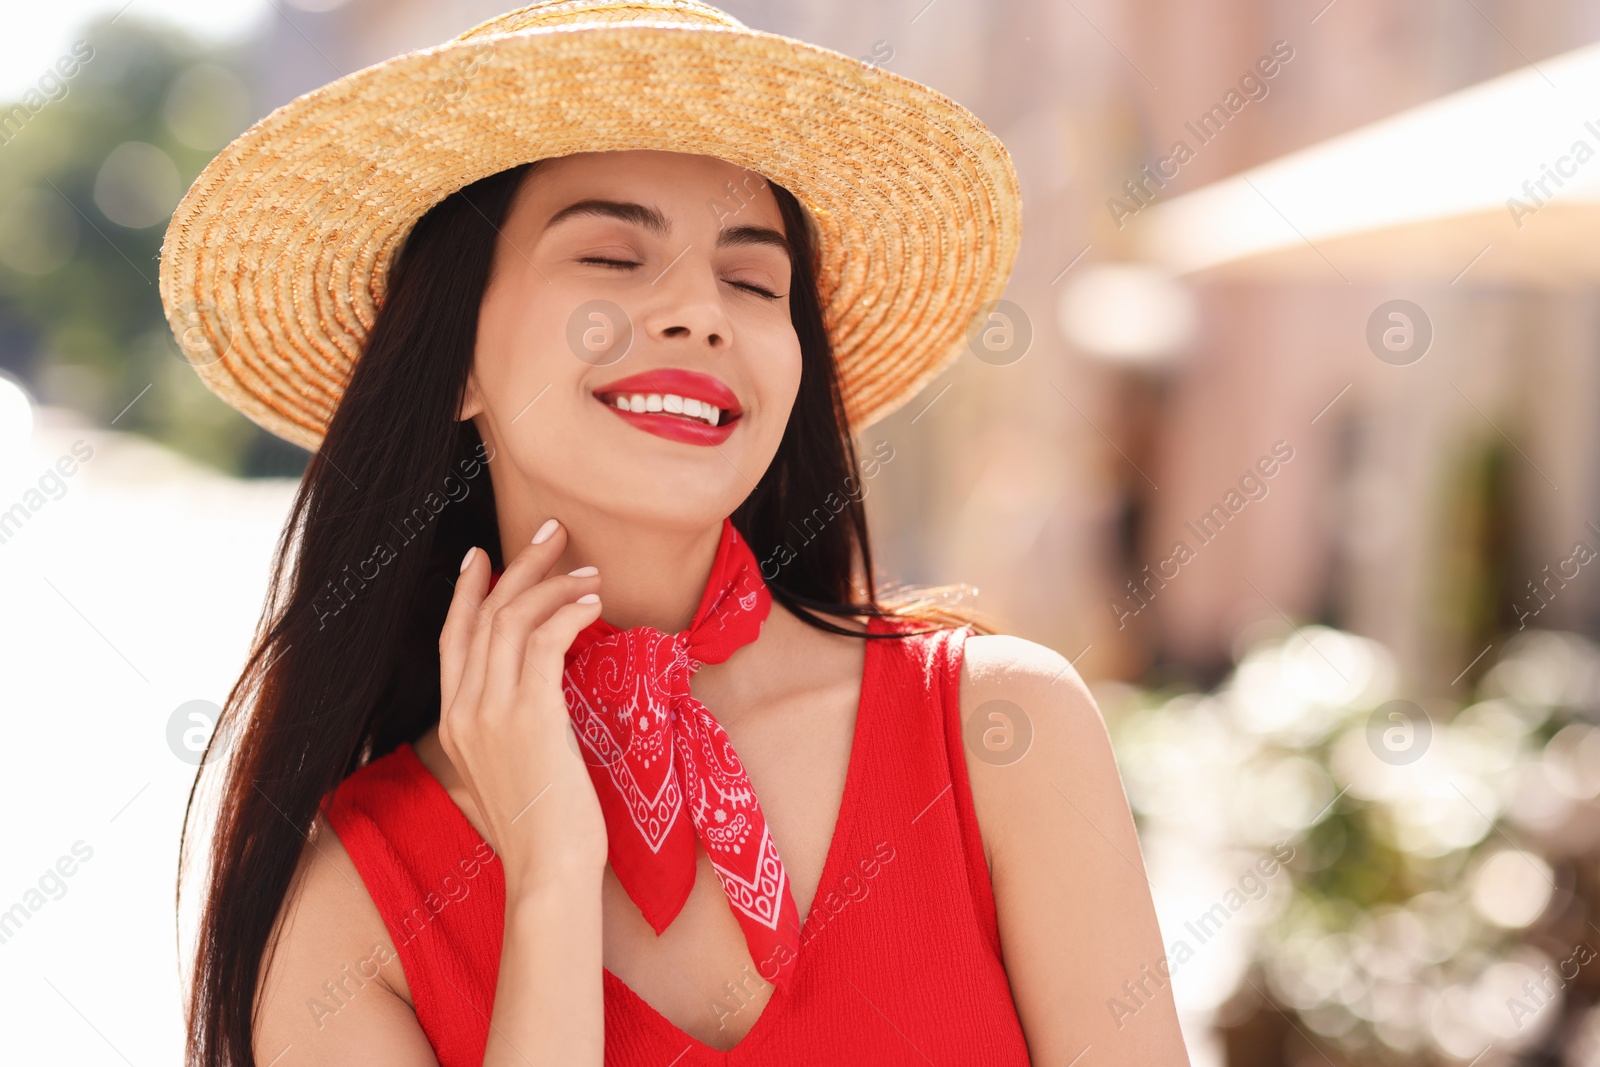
(671, 403)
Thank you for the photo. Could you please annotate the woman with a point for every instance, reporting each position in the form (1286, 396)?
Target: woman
(520, 764)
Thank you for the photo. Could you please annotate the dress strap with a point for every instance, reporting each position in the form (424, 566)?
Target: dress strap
(437, 885)
(949, 650)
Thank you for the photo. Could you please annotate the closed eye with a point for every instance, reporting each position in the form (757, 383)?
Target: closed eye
(758, 290)
(624, 264)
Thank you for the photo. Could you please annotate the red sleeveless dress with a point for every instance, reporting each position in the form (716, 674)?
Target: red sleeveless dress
(899, 959)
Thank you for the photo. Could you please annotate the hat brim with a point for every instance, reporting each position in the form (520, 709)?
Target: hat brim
(274, 264)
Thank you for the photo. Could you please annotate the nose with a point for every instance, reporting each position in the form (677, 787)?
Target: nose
(688, 306)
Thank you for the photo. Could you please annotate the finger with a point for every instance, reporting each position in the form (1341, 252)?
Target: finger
(455, 638)
(513, 625)
(548, 644)
(528, 566)
(516, 577)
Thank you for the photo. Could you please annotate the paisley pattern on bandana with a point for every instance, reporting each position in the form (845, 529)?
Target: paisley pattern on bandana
(665, 771)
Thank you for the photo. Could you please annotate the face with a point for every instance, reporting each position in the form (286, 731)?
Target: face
(678, 259)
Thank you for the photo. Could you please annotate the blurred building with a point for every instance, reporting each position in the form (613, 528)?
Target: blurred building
(1419, 509)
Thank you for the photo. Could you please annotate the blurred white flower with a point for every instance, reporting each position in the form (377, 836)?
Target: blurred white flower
(1536, 802)
(1449, 923)
(1511, 888)
(1258, 762)
(1275, 797)
(1399, 1012)
(1330, 1020)
(1572, 761)
(1296, 690)
(1295, 982)
(1172, 758)
(1505, 1007)
(1489, 743)
(1392, 944)
(1543, 669)
(1583, 1047)
(1454, 1026)
(1443, 815)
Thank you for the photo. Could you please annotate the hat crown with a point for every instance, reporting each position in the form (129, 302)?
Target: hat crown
(602, 12)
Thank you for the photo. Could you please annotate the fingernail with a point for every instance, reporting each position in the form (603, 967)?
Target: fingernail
(584, 572)
(545, 531)
(588, 598)
(467, 558)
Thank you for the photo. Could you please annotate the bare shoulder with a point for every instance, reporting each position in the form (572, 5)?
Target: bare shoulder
(1037, 724)
(1049, 698)
(1072, 901)
(995, 664)
(333, 991)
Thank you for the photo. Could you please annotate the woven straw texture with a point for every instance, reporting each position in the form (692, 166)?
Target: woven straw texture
(274, 264)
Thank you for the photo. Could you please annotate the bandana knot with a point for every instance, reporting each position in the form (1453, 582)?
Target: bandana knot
(665, 770)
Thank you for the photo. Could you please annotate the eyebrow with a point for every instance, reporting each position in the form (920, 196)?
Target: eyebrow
(638, 214)
(654, 221)
(753, 235)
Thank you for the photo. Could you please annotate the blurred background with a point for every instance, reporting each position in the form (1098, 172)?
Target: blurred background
(1285, 434)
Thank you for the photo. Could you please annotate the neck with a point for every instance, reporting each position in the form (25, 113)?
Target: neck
(650, 574)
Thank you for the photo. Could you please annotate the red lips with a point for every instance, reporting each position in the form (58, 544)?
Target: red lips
(687, 384)
(684, 383)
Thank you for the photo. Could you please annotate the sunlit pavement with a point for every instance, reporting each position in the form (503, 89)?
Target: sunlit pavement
(130, 588)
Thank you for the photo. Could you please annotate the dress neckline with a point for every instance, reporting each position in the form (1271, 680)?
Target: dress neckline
(844, 821)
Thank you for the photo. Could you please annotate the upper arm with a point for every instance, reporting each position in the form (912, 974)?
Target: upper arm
(333, 990)
(1071, 895)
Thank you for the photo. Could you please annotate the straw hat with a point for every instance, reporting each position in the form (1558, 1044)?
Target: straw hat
(274, 265)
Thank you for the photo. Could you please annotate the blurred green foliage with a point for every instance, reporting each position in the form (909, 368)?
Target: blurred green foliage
(90, 170)
(1443, 897)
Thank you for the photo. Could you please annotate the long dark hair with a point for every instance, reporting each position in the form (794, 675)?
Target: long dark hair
(345, 661)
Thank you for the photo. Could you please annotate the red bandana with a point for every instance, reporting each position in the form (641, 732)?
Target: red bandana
(665, 771)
